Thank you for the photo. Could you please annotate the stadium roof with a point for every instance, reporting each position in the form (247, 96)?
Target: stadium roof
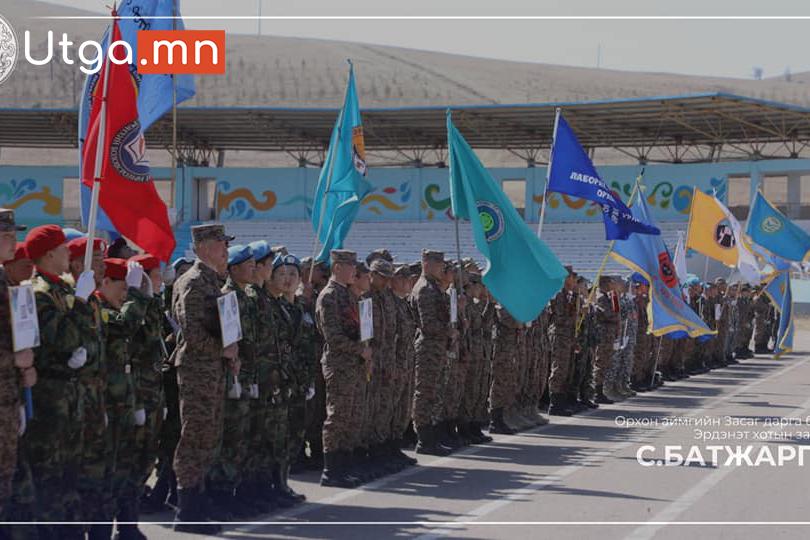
(694, 127)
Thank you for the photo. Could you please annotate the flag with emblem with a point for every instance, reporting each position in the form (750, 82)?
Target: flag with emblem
(715, 232)
(127, 192)
(769, 228)
(342, 183)
(777, 289)
(646, 254)
(572, 172)
(522, 273)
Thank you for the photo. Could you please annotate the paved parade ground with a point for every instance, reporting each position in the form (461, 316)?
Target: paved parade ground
(579, 477)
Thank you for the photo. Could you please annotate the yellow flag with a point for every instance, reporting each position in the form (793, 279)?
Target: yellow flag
(710, 231)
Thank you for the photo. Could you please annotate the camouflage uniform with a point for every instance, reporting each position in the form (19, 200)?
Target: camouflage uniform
(309, 351)
(506, 349)
(624, 358)
(762, 327)
(9, 399)
(610, 324)
(745, 324)
(404, 380)
(54, 436)
(562, 329)
(646, 348)
(316, 407)
(457, 366)
(378, 390)
(200, 373)
(473, 356)
(584, 386)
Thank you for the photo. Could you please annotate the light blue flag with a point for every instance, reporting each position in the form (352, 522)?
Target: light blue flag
(646, 254)
(769, 228)
(522, 272)
(154, 90)
(777, 288)
(342, 183)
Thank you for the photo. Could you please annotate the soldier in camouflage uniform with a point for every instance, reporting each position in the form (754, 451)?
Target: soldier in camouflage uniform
(506, 344)
(475, 394)
(583, 390)
(228, 470)
(732, 294)
(15, 368)
(610, 325)
(711, 316)
(745, 324)
(343, 364)
(624, 356)
(434, 333)
(123, 311)
(646, 349)
(724, 308)
(404, 371)
(54, 441)
(563, 316)
(762, 326)
(201, 362)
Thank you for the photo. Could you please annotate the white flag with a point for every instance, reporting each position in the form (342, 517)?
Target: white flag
(680, 259)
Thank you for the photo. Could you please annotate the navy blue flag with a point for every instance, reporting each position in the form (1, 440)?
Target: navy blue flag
(572, 172)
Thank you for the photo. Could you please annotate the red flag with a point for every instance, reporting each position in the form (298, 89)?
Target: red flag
(127, 191)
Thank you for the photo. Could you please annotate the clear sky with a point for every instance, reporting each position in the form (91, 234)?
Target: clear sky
(729, 48)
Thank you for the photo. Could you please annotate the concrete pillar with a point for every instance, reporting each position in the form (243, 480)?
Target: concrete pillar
(794, 195)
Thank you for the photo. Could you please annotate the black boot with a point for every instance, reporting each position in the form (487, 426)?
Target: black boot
(428, 444)
(480, 436)
(190, 504)
(99, 532)
(334, 472)
(497, 423)
(282, 496)
(218, 504)
(156, 500)
(285, 485)
(127, 522)
(173, 497)
(602, 398)
(247, 502)
(396, 446)
(559, 407)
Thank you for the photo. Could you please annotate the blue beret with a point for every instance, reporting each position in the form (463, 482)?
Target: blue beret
(261, 250)
(638, 278)
(180, 261)
(291, 260)
(72, 234)
(691, 279)
(238, 254)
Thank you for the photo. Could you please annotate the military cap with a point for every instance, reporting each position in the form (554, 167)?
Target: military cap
(382, 267)
(432, 255)
(415, 268)
(78, 246)
(238, 254)
(180, 261)
(745, 287)
(20, 252)
(383, 254)
(261, 250)
(115, 268)
(72, 234)
(361, 267)
(402, 270)
(149, 262)
(471, 266)
(720, 281)
(343, 256)
(7, 222)
(40, 240)
(570, 270)
(280, 250)
(475, 279)
(213, 231)
(306, 261)
(286, 260)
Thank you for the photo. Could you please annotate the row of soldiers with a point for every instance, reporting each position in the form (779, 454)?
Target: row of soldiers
(126, 377)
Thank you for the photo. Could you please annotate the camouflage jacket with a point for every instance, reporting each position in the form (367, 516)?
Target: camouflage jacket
(406, 332)
(267, 358)
(308, 347)
(9, 389)
(248, 317)
(338, 320)
(563, 314)
(431, 308)
(610, 322)
(148, 357)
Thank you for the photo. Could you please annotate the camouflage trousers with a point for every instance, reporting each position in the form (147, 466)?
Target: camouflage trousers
(9, 426)
(94, 479)
(54, 448)
(23, 498)
(456, 376)
(562, 363)
(582, 386)
(742, 338)
(296, 425)
(343, 377)
(402, 395)
(430, 362)
(623, 361)
(147, 445)
(228, 469)
(169, 434)
(504, 378)
(316, 414)
(644, 358)
(475, 392)
(603, 367)
(381, 385)
(201, 423)
(544, 366)
(125, 489)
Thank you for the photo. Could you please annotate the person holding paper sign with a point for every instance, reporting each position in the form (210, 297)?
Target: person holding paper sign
(13, 367)
(201, 362)
(342, 362)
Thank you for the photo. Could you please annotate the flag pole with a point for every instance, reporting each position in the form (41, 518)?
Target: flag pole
(98, 164)
(316, 240)
(657, 359)
(548, 174)
(595, 283)
(174, 113)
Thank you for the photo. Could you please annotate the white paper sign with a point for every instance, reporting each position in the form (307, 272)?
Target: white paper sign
(24, 321)
(366, 319)
(453, 306)
(718, 311)
(229, 321)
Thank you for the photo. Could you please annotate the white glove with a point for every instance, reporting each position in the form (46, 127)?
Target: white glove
(236, 390)
(78, 359)
(85, 285)
(140, 417)
(168, 275)
(134, 274)
(22, 427)
(106, 420)
(310, 392)
(165, 412)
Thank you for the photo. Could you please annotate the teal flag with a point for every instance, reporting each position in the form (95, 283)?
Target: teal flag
(777, 288)
(769, 228)
(522, 273)
(342, 183)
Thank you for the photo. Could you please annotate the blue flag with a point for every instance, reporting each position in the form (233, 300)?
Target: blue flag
(154, 90)
(342, 183)
(769, 228)
(777, 288)
(648, 255)
(572, 172)
(522, 272)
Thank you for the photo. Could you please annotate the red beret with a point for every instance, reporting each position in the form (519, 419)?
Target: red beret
(148, 262)
(20, 252)
(40, 240)
(115, 269)
(77, 246)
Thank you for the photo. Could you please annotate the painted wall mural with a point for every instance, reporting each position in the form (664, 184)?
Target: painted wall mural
(398, 194)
